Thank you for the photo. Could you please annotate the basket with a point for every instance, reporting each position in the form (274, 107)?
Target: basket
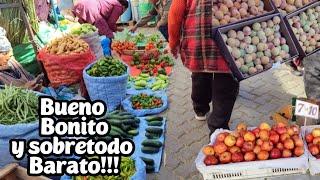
(227, 55)
(295, 40)
(254, 169)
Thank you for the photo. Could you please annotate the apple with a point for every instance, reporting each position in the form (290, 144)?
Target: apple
(298, 151)
(220, 147)
(281, 130)
(241, 127)
(210, 160)
(230, 140)
(314, 150)
(286, 153)
(316, 132)
(208, 150)
(290, 131)
(316, 141)
(264, 126)
(263, 155)
(272, 132)
(221, 137)
(247, 147)
(266, 146)
(281, 125)
(294, 137)
(274, 138)
(275, 153)
(256, 149)
(249, 156)
(249, 136)
(237, 157)
(280, 146)
(309, 138)
(225, 158)
(259, 142)
(288, 144)
(264, 135)
(239, 142)
(256, 132)
(298, 142)
(284, 136)
(296, 129)
(234, 149)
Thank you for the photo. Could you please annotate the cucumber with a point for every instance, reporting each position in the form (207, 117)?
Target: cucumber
(119, 131)
(155, 123)
(154, 130)
(125, 128)
(150, 168)
(125, 114)
(128, 121)
(134, 125)
(148, 161)
(115, 112)
(115, 122)
(152, 143)
(154, 118)
(152, 136)
(137, 120)
(150, 150)
(111, 116)
(113, 133)
(133, 132)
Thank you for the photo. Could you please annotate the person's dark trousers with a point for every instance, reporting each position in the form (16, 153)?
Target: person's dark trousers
(164, 31)
(222, 90)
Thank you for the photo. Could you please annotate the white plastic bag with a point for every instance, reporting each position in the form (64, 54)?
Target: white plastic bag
(93, 39)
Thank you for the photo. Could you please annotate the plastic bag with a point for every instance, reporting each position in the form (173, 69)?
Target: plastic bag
(65, 69)
(93, 40)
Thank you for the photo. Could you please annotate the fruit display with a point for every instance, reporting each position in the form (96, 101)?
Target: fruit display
(106, 67)
(306, 28)
(144, 101)
(262, 143)
(83, 29)
(230, 11)
(313, 140)
(254, 48)
(67, 45)
(288, 6)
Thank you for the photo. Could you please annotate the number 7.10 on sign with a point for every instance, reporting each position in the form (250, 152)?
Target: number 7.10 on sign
(306, 109)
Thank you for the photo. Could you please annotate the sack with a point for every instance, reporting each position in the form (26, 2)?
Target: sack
(65, 69)
(311, 76)
(17, 131)
(127, 105)
(111, 90)
(93, 40)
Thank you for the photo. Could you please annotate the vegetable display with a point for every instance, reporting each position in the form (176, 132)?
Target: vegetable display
(83, 29)
(155, 121)
(288, 6)
(162, 82)
(127, 170)
(107, 67)
(144, 101)
(305, 26)
(119, 46)
(17, 106)
(141, 81)
(255, 48)
(262, 143)
(67, 45)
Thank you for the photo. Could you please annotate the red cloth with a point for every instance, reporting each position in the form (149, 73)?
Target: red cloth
(104, 14)
(198, 50)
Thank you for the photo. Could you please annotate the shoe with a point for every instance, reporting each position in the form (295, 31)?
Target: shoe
(200, 117)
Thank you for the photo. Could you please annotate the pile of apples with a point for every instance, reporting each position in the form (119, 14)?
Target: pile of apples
(313, 141)
(262, 143)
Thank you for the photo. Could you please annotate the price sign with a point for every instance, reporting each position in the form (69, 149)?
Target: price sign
(306, 109)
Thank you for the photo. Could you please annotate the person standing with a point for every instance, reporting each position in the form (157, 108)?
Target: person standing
(160, 9)
(190, 25)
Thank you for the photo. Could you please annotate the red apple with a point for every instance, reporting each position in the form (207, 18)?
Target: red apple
(288, 144)
(249, 156)
(230, 140)
(314, 150)
(256, 132)
(275, 153)
(249, 136)
(240, 142)
(281, 130)
(264, 126)
(280, 146)
(256, 149)
(294, 137)
(259, 142)
(298, 151)
(208, 150)
(221, 137)
(241, 127)
(316, 141)
(266, 146)
(281, 125)
(234, 149)
(272, 132)
(210, 160)
(296, 129)
(274, 138)
(286, 153)
(237, 157)
(225, 158)
(247, 147)
(220, 147)
(290, 131)
(309, 138)
(263, 155)
(264, 135)
(298, 142)
(284, 136)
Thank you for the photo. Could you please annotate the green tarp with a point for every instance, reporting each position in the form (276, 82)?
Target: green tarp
(25, 55)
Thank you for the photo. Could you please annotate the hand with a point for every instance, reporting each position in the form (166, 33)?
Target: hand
(174, 51)
(133, 29)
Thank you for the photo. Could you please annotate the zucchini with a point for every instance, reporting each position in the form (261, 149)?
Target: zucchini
(150, 150)
(152, 136)
(155, 130)
(152, 143)
(148, 161)
(154, 118)
(133, 132)
(155, 123)
(150, 168)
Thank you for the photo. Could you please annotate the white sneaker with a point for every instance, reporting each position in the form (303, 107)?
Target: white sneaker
(200, 118)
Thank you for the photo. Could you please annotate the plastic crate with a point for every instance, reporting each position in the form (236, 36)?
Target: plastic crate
(227, 55)
(253, 169)
(296, 41)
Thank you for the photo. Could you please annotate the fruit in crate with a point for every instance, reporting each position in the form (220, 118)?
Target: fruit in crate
(313, 140)
(288, 6)
(230, 11)
(305, 26)
(254, 48)
(261, 143)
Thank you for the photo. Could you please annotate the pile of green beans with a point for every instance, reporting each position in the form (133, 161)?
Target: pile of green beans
(17, 106)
